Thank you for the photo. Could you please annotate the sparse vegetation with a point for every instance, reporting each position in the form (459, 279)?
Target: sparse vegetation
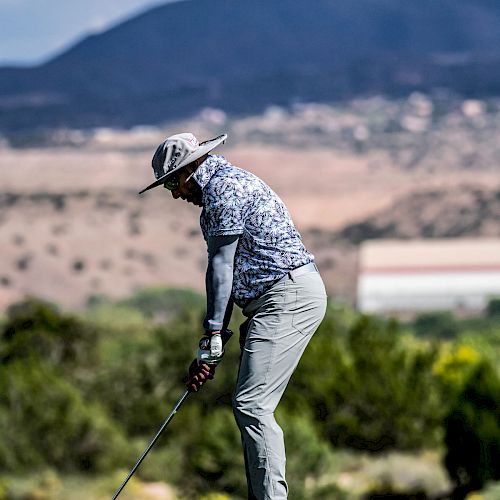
(78, 265)
(23, 262)
(18, 240)
(52, 249)
(5, 281)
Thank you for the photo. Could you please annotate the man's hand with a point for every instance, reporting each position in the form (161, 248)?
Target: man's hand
(198, 374)
(210, 349)
(209, 354)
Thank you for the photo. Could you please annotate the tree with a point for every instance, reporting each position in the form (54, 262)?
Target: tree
(367, 388)
(438, 324)
(493, 308)
(36, 329)
(472, 433)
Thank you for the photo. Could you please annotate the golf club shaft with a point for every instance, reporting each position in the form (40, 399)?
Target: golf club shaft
(146, 451)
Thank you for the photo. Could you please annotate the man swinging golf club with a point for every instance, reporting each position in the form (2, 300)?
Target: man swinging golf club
(257, 260)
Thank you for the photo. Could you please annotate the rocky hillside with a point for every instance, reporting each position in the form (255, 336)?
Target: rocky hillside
(447, 213)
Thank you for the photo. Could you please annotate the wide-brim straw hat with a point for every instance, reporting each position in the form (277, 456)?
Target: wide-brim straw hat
(176, 152)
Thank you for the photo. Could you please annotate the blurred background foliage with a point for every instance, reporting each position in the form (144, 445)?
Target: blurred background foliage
(83, 394)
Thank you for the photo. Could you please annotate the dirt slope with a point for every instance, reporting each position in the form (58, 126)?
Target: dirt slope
(72, 225)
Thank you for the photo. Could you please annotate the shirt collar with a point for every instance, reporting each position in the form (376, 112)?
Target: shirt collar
(207, 169)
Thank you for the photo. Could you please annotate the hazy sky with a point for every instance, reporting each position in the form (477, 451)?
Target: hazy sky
(33, 30)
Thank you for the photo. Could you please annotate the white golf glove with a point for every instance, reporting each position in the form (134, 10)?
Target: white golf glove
(210, 349)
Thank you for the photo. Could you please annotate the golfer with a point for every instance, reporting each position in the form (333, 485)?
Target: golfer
(257, 260)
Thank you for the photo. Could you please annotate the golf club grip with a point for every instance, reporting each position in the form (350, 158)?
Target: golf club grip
(226, 335)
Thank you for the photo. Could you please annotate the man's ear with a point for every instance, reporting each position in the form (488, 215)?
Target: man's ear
(192, 166)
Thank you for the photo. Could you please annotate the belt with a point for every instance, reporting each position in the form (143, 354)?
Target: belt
(299, 271)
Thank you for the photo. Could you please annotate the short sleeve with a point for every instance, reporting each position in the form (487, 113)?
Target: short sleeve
(225, 203)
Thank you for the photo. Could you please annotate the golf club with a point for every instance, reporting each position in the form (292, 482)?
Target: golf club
(225, 335)
(146, 451)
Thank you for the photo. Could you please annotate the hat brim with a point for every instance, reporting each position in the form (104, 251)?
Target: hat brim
(204, 148)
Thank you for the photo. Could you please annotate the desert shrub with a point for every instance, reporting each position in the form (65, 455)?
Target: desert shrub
(134, 390)
(388, 391)
(362, 383)
(165, 462)
(472, 434)
(453, 368)
(24, 262)
(308, 455)
(4, 489)
(139, 382)
(369, 391)
(438, 325)
(36, 329)
(163, 302)
(49, 423)
(44, 485)
(491, 491)
(117, 321)
(78, 265)
(493, 308)
(214, 456)
(214, 496)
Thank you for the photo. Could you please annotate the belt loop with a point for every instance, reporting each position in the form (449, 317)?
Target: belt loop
(290, 275)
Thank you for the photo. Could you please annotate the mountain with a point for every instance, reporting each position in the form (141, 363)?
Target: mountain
(241, 56)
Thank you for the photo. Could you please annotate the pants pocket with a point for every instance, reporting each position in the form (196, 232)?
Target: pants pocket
(310, 308)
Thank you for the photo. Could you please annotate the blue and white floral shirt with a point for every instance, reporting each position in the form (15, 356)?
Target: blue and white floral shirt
(238, 202)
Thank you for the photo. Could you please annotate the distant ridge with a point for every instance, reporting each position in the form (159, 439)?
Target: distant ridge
(241, 56)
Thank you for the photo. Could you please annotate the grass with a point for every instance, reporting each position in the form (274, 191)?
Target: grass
(48, 485)
(351, 476)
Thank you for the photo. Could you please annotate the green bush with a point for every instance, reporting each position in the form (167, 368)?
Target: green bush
(164, 303)
(142, 381)
(368, 391)
(491, 491)
(214, 457)
(453, 368)
(72, 388)
(35, 329)
(4, 489)
(472, 435)
(493, 308)
(308, 455)
(437, 325)
(47, 422)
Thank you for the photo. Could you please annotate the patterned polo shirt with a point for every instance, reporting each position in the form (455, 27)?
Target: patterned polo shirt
(238, 202)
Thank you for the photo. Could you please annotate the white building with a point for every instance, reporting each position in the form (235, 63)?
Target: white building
(418, 275)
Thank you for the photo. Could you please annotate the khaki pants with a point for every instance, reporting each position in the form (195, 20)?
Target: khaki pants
(279, 326)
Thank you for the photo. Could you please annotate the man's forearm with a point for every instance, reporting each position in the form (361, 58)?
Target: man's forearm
(219, 281)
